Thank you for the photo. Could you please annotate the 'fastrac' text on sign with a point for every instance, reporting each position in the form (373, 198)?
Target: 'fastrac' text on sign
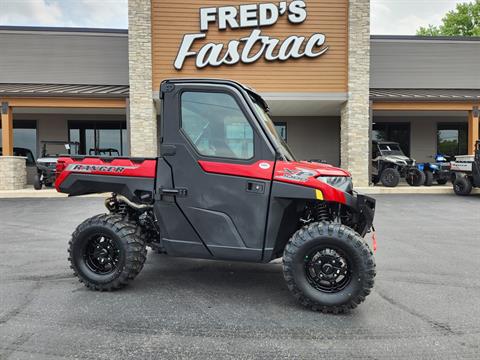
(255, 46)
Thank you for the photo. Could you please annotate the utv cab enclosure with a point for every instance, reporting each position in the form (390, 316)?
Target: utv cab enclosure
(226, 187)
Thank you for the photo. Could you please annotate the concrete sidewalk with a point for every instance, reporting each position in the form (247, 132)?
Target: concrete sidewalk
(29, 192)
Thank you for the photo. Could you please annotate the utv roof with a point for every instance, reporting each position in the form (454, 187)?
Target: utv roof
(214, 81)
(385, 142)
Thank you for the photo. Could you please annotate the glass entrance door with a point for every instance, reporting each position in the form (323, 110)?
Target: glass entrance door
(106, 138)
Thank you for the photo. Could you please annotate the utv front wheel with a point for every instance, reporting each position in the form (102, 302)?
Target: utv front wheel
(106, 252)
(328, 267)
(462, 186)
(390, 177)
(37, 183)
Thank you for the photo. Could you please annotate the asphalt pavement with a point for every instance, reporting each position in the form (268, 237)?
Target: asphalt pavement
(426, 302)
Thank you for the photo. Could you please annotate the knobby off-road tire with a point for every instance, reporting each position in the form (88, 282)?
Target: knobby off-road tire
(416, 178)
(99, 239)
(442, 181)
(37, 184)
(390, 177)
(428, 178)
(328, 238)
(462, 186)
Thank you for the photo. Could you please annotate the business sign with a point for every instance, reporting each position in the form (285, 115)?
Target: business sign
(271, 45)
(255, 46)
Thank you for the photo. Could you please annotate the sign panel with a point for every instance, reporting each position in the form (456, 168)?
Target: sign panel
(285, 46)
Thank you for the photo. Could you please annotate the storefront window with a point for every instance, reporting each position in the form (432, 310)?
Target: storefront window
(396, 132)
(99, 137)
(24, 136)
(452, 139)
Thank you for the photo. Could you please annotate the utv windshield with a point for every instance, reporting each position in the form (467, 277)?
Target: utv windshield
(281, 145)
(390, 149)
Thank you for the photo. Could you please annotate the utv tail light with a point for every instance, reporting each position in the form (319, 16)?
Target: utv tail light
(60, 167)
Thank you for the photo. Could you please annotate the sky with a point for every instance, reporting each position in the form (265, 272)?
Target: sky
(388, 17)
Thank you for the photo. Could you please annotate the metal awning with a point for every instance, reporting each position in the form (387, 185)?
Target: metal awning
(425, 95)
(56, 90)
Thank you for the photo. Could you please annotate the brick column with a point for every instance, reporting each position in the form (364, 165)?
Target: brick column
(143, 116)
(13, 172)
(355, 133)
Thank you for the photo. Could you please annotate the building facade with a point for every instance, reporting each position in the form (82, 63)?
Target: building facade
(331, 87)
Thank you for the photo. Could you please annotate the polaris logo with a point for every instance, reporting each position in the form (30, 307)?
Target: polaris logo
(98, 168)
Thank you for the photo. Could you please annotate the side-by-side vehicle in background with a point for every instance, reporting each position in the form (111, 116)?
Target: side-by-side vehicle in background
(48, 160)
(226, 187)
(467, 172)
(390, 165)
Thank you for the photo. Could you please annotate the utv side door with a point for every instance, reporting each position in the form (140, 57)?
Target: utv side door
(222, 167)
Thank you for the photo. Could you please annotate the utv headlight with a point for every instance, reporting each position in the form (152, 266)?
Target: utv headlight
(343, 183)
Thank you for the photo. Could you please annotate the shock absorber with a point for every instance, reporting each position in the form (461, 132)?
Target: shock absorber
(320, 211)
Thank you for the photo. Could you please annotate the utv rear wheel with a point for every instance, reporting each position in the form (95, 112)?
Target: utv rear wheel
(106, 252)
(428, 178)
(328, 267)
(462, 186)
(390, 177)
(37, 184)
(442, 181)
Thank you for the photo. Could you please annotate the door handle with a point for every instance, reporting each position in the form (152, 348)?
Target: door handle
(256, 187)
(180, 192)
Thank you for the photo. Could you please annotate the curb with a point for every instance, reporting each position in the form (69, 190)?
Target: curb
(410, 190)
(40, 194)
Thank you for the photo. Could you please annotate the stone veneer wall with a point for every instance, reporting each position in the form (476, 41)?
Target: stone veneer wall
(13, 172)
(355, 114)
(143, 119)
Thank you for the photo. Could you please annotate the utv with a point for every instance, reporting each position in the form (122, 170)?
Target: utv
(467, 172)
(438, 171)
(389, 165)
(47, 162)
(226, 187)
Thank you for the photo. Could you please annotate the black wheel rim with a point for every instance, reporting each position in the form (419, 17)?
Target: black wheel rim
(327, 269)
(102, 254)
(459, 187)
(389, 178)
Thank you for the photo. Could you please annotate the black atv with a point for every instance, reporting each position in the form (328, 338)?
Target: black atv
(390, 164)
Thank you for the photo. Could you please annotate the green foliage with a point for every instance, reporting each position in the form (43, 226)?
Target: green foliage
(463, 21)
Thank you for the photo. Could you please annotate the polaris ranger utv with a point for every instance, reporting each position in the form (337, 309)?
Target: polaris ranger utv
(226, 187)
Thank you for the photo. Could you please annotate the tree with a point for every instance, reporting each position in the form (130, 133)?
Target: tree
(463, 21)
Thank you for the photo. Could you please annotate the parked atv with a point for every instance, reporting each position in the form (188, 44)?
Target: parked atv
(226, 187)
(389, 165)
(47, 162)
(467, 172)
(438, 171)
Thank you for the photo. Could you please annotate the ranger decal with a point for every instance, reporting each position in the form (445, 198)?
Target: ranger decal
(85, 168)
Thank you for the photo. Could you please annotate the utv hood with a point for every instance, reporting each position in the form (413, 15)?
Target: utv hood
(305, 169)
(399, 159)
(333, 183)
